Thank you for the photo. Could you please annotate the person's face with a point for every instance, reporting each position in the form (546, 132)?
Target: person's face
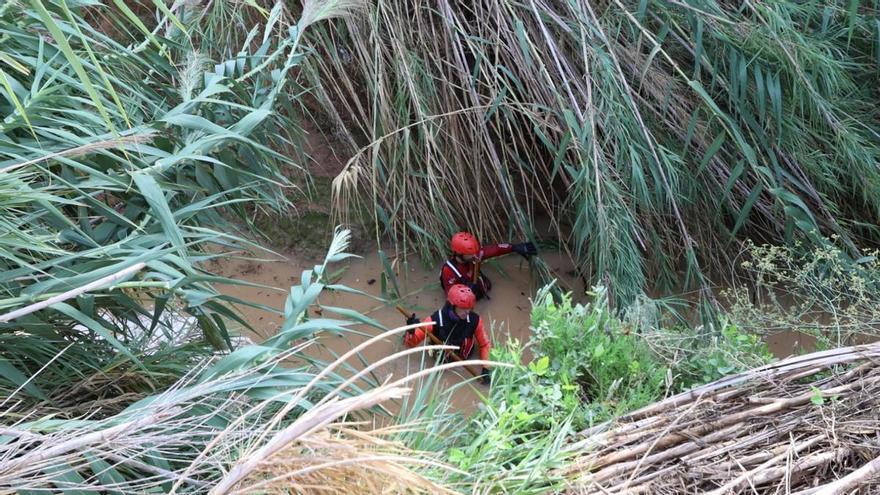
(460, 312)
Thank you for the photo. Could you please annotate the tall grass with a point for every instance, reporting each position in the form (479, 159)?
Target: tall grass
(655, 134)
(132, 142)
(129, 141)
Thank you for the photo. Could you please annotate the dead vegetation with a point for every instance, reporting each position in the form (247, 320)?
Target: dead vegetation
(805, 425)
(342, 459)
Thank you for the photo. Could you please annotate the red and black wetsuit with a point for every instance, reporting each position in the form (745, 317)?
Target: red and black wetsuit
(451, 329)
(463, 273)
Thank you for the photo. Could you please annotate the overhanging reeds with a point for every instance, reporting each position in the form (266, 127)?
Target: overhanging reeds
(653, 133)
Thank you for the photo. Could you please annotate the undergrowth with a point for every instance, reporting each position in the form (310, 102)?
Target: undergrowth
(587, 366)
(819, 291)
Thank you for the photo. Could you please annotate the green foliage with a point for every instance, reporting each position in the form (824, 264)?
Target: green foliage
(126, 146)
(707, 358)
(597, 368)
(498, 449)
(538, 394)
(588, 366)
(820, 291)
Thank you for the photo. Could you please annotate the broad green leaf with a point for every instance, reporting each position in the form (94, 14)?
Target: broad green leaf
(711, 151)
(19, 108)
(747, 208)
(354, 315)
(155, 197)
(98, 328)
(73, 59)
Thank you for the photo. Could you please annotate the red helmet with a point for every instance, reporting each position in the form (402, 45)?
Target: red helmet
(464, 243)
(461, 296)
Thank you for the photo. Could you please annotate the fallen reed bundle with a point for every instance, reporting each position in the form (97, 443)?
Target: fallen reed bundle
(805, 425)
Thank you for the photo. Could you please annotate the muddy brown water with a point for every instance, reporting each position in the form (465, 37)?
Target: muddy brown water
(506, 315)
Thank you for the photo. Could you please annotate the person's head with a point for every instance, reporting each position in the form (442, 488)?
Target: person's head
(465, 246)
(462, 299)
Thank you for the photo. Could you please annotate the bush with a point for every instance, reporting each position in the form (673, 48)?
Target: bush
(593, 355)
(820, 291)
(586, 367)
(589, 367)
(701, 356)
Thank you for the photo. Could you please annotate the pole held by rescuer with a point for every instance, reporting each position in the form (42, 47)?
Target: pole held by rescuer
(454, 324)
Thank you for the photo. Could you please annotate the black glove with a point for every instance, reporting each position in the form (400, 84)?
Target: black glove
(526, 249)
(412, 320)
(477, 289)
(486, 377)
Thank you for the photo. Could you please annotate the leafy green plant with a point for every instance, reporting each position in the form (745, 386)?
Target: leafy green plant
(732, 351)
(588, 367)
(594, 358)
(503, 446)
(820, 291)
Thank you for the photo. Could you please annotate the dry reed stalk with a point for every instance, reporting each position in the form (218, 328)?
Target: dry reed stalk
(343, 459)
(784, 430)
(10, 467)
(117, 142)
(751, 476)
(97, 284)
(632, 467)
(313, 419)
(852, 480)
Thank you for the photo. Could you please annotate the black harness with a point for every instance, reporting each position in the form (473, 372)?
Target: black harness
(454, 331)
(482, 288)
(461, 278)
